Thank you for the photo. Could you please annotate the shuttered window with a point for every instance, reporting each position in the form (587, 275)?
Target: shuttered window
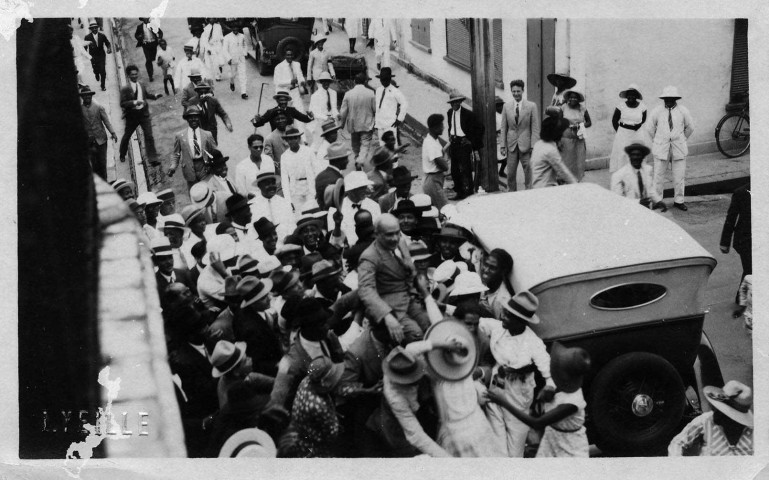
(420, 32)
(458, 44)
(740, 59)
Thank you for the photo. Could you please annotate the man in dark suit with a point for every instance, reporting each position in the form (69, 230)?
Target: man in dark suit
(520, 130)
(147, 37)
(401, 180)
(466, 139)
(338, 158)
(96, 44)
(291, 113)
(163, 258)
(737, 229)
(382, 161)
(386, 283)
(210, 108)
(189, 94)
(133, 100)
(193, 148)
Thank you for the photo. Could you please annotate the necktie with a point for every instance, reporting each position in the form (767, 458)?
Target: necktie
(195, 143)
(229, 185)
(641, 190)
(328, 100)
(136, 91)
(204, 105)
(670, 118)
(381, 100)
(516, 114)
(454, 118)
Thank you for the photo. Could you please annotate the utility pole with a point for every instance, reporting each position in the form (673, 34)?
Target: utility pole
(482, 77)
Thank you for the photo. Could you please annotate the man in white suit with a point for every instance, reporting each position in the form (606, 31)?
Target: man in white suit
(235, 53)
(382, 31)
(520, 130)
(288, 76)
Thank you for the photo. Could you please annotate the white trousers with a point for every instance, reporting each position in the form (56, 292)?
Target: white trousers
(239, 70)
(212, 64)
(382, 53)
(510, 433)
(679, 176)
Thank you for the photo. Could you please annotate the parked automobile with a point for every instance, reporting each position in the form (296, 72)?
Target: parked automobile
(267, 40)
(626, 284)
(346, 66)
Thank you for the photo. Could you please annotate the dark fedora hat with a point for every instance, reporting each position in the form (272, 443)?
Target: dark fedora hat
(86, 90)
(386, 72)
(638, 146)
(406, 206)
(217, 157)
(454, 232)
(191, 111)
(203, 86)
(264, 227)
(236, 202)
(382, 156)
(403, 367)
(401, 176)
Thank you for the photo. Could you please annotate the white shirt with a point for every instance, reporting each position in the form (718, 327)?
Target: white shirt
(625, 182)
(219, 184)
(277, 210)
(167, 56)
(455, 129)
(431, 149)
(319, 105)
(515, 351)
(321, 162)
(235, 47)
(191, 134)
(137, 91)
(213, 44)
(297, 172)
(185, 67)
(282, 76)
(667, 141)
(348, 222)
(248, 241)
(389, 111)
(210, 286)
(318, 63)
(246, 172)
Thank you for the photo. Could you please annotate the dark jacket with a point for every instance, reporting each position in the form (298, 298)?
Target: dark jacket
(262, 342)
(182, 276)
(470, 125)
(291, 114)
(213, 108)
(737, 225)
(139, 35)
(96, 47)
(127, 96)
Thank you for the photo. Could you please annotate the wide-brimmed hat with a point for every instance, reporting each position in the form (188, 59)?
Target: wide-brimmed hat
(224, 245)
(231, 286)
(638, 146)
(309, 218)
(386, 72)
(553, 126)
(217, 158)
(191, 111)
(382, 156)
(333, 194)
(226, 356)
(407, 206)
(325, 372)
(122, 183)
(282, 281)
(194, 72)
(670, 92)
(419, 251)
(268, 265)
(468, 283)
(455, 232)
(247, 265)
(572, 91)
(327, 127)
(292, 132)
(148, 198)
(264, 227)
(524, 305)
(422, 201)
(571, 363)
(172, 221)
(447, 272)
(633, 87)
(253, 289)
(160, 246)
(451, 365)
(356, 179)
(455, 95)
(325, 76)
(734, 401)
(287, 248)
(249, 442)
(166, 194)
(403, 367)
(190, 45)
(283, 94)
(203, 86)
(449, 211)
(401, 176)
(85, 90)
(236, 202)
(201, 195)
(324, 269)
(336, 150)
(553, 78)
(265, 176)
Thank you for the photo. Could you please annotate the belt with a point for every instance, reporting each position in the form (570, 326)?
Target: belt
(628, 126)
(299, 179)
(565, 431)
(455, 139)
(516, 373)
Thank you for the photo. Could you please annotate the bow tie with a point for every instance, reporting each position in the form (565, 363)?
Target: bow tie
(355, 205)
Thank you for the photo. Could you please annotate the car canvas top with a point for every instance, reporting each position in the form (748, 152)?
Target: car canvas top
(585, 227)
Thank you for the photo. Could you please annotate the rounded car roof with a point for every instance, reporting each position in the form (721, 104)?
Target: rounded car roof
(571, 229)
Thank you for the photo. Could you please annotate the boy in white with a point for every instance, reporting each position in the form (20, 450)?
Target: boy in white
(434, 163)
(166, 59)
(356, 185)
(235, 53)
(188, 64)
(518, 352)
(297, 171)
(319, 62)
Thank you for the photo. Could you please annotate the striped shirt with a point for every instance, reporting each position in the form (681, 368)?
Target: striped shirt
(702, 432)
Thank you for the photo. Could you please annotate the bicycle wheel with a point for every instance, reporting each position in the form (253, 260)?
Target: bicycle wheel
(733, 134)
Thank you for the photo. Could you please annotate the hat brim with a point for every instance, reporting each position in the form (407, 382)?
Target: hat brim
(419, 258)
(534, 320)
(553, 78)
(193, 75)
(623, 93)
(266, 289)
(454, 99)
(457, 293)
(408, 378)
(248, 435)
(191, 114)
(266, 177)
(332, 130)
(85, 94)
(326, 275)
(272, 229)
(437, 360)
(743, 418)
(646, 150)
(277, 96)
(414, 210)
(241, 348)
(293, 135)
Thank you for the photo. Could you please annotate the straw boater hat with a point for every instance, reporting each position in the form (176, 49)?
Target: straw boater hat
(249, 442)
(292, 132)
(554, 77)
(148, 198)
(451, 365)
(330, 126)
(670, 92)
(734, 401)
(85, 90)
(226, 357)
(253, 289)
(190, 45)
(268, 265)
(194, 73)
(633, 87)
(166, 194)
(287, 248)
(161, 246)
(573, 91)
(524, 305)
(93, 24)
(333, 194)
(638, 146)
(282, 94)
(191, 111)
(455, 95)
(419, 251)
(422, 201)
(570, 364)
(173, 221)
(201, 195)
(468, 283)
(265, 176)
(122, 183)
(403, 367)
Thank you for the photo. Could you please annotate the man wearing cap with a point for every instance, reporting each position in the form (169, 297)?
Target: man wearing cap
(726, 430)
(338, 158)
(247, 171)
(323, 103)
(214, 204)
(267, 204)
(519, 130)
(210, 108)
(123, 187)
(297, 172)
(133, 100)
(235, 53)
(168, 198)
(96, 126)
(192, 148)
(670, 126)
(401, 181)
(391, 104)
(634, 180)
(465, 140)
(319, 63)
(231, 366)
(97, 42)
(163, 258)
(211, 280)
(356, 185)
(253, 324)
(288, 77)
(519, 352)
(147, 35)
(357, 115)
(382, 161)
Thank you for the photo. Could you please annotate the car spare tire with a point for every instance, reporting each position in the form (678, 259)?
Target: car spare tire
(289, 43)
(636, 403)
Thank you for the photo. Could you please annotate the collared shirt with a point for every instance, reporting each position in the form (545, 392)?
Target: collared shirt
(166, 57)
(210, 287)
(298, 172)
(220, 184)
(455, 127)
(283, 75)
(235, 47)
(191, 134)
(170, 279)
(547, 166)
(185, 67)
(431, 149)
(319, 62)
(246, 172)
(625, 182)
(277, 210)
(496, 300)
(274, 146)
(201, 349)
(136, 88)
(703, 432)
(319, 105)
(392, 107)
(670, 142)
(515, 351)
(96, 119)
(348, 222)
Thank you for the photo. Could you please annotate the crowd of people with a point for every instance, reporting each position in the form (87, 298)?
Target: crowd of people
(313, 310)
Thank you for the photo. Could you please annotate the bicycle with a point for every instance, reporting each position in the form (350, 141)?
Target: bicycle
(733, 132)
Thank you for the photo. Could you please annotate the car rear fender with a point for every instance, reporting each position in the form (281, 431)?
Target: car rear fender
(706, 371)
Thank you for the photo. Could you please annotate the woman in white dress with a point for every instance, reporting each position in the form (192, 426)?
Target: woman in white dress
(628, 120)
